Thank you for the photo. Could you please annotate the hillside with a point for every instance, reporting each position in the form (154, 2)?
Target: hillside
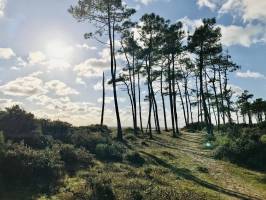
(172, 169)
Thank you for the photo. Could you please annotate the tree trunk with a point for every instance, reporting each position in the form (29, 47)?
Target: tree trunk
(204, 105)
(113, 73)
(163, 102)
(182, 103)
(171, 97)
(140, 114)
(103, 100)
(174, 97)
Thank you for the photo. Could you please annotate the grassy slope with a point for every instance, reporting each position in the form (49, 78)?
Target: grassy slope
(177, 164)
(181, 164)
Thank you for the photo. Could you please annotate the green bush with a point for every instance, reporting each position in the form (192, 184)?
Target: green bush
(17, 123)
(89, 141)
(109, 152)
(247, 149)
(98, 128)
(194, 127)
(2, 143)
(263, 139)
(23, 165)
(102, 190)
(38, 141)
(135, 158)
(75, 158)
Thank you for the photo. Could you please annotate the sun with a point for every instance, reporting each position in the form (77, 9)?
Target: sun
(58, 49)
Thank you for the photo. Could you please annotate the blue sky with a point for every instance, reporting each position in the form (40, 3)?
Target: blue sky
(49, 69)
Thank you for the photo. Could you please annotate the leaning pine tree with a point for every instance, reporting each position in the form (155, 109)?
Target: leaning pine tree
(107, 16)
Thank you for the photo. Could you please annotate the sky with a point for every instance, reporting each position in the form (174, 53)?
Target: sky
(49, 69)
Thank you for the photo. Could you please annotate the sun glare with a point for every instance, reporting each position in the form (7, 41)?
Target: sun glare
(58, 50)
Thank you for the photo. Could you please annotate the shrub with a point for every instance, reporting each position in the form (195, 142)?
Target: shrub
(263, 139)
(247, 149)
(23, 165)
(98, 128)
(38, 141)
(2, 143)
(75, 158)
(57, 129)
(102, 190)
(193, 127)
(17, 123)
(107, 152)
(89, 141)
(135, 158)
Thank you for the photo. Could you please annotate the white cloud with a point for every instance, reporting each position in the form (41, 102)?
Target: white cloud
(60, 88)
(99, 87)
(6, 103)
(236, 89)
(247, 10)
(24, 86)
(109, 100)
(36, 57)
(207, 3)
(145, 2)
(190, 24)
(250, 74)
(91, 67)
(2, 7)
(85, 46)
(245, 36)
(6, 53)
(80, 81)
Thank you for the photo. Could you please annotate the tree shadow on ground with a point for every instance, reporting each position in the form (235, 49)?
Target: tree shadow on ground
(186, 174)
(187, 150)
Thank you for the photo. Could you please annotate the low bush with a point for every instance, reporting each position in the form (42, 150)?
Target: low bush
(23, 165)
(98, 128)
(102, 190)
(75, 158)
(89, 141)
(247, 149)
(135, 158)
(109, 152)
(193, 127)
(38, 141)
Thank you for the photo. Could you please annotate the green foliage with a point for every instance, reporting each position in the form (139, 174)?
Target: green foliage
(17, 123)
(75, 158)
(38, 141)
(194, 127)
(2, 143)
(89, 140)
(263, 139)
(109, 152)
(135, 158)
(23, 165)
(102, 190)
(57, 129)
(246, 149)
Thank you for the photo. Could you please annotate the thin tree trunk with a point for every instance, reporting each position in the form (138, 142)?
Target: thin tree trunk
(186, 98)
(163, 102)
(171, 97)
(174, 97)
(205, 108)
(113, 73)
(221, 94)
(182, 103)
(190, 107)
(103, 100)
(140, 114)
